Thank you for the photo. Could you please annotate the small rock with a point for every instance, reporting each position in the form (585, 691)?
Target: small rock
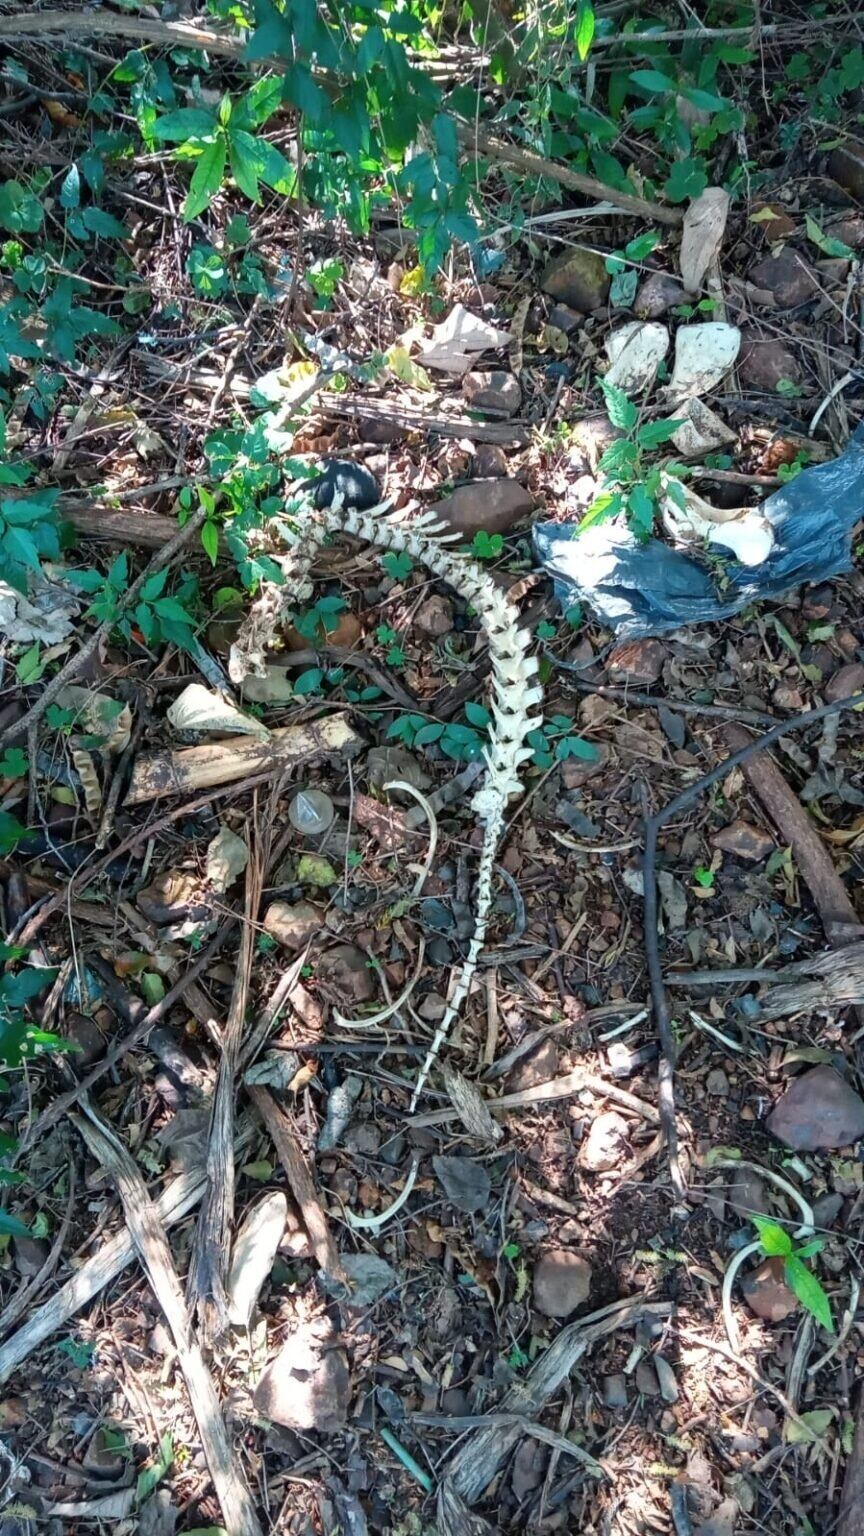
(258, 1238)
(614, 1389)
(762, 364)
(346, 971)
(605, 1144)
(490, 506)
(171, 896)
(850, 679)
(350, 481)
(578, 278)
(636, 661)
(377, 429)
(540, 1067)
(646, 1379)
(667, 1380)
(434, 617)
(101, 1460)
(818, 1110)
(490, 462)
(780, 225)
(659, 292)
(766, 1292)
(846, 167)
(562, 1282)
(388, 763)
(465, 1182)
(369, 1277)
(747, 1194)
(826, 1210)
(565, 319)
(635, 351)
(495, 391)
(529, 1465)
(307, 1385)
(717, 1084)
(432, 1007)
(30, 1255)
(788, 698)
(744, 841)
(722, 1522)
(788, 276)
(293, 924)
(848, 227)
(84, 1033)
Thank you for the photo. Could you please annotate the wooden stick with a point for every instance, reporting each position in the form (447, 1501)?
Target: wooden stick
(812, 858)
(300, 1180)
(223, 762)
(148, 1236)
(149, 529)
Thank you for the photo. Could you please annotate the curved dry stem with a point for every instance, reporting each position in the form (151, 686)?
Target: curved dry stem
(392, 1007)
(375, 1223)
(428, 812)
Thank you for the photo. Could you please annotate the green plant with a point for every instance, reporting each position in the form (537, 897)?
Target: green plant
(776, 1243)
(704, 877)
(387, 636)
(324, 278)
(631, 487)
(555, 740)
(397, 564)
(486, 546)
(321, 620)
(456, 739)
(625, 279)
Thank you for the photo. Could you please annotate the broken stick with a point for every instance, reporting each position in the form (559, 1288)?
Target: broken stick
(224, 762)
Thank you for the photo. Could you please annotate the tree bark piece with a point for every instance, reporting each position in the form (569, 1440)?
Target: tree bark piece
(812, 858)
(224, 762)
(149, 530)
(301, 1182)
(148, 1235)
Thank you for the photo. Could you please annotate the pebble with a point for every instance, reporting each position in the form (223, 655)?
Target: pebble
(350, 481)
(347, 972)
(636, 661)
(659, 293)
(605, 1144)
(667, 1380)
(577, 278)
(850, 679)
(747, 1194)
(485, 506)
(788, 276)
(490, 462)
(529, 1465)
(788, 698)
(307, 1385)
(744, 841)
(84, 1033)
(30, 1255)
(826, 1209)
(766, 1292)
(717, 1084)
(562, 1282)
(495, 391)
(293, 924)
(818, 1110)
(540, 1067)
(646, 1379)
(565, 319)
(614, 1389)
(763, 363)
(846, 167)
(434, 617)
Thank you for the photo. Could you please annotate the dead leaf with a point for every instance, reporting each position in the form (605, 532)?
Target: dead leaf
(702, 236)
(457, 340)
(200, 709)
(227, 857)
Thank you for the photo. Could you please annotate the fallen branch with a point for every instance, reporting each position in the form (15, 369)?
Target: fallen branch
(812, 859)
(545, 1093)
(148, 1236)
(224, 762)
(94, 521)
(300, 1181)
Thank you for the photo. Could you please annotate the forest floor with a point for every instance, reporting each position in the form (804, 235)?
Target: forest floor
(543, 1194)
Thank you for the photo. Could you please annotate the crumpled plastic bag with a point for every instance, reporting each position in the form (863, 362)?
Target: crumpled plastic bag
(648, 589)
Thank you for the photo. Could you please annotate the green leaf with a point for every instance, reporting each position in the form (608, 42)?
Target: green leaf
(622, 411)
(104, 225)
(210, 541)
(608, 504)
(574, 746)
(30, 668)
(775, 1240)
(652, 80)
(808, 1427)
(152, 987)
(13, 763)
(20, 546)
(309, 681)
(70, 191)
(184, 124)
(10, 1226)
(428, 734)
(207, 178)
(304, 94)
(478, 715)
(652, 433)
(398, 565)
(20, 212)
(585, 24)
(687, 178)
(826, 243)
(245, 162)
(152, 1476)
(706, 101)
(809, 1291)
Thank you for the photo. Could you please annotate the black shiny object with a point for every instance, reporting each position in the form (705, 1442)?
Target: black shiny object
(357, 487)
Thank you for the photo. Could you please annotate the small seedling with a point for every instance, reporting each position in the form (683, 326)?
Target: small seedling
(776, 1243)
(486, 546)
(704, 877)
(397, 565)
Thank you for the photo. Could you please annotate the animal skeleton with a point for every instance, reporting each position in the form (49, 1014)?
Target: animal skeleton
(516, 692)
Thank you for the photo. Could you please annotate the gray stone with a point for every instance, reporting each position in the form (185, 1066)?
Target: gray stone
(528, 1467)
(646, 1379)
(495, 391)
(346, 971)
(490, 462)
(389, 762)
(659, 293)
(846, 167)
(818, 1110)
(307, 1385)
(605, 1144)
(485, 506)
(293, 924)
(562, 1282)
(747, 1194)
(744, 841)
(614, 1390)
(434, 617)
(666, 1379)
(850, 679)
(787, 276)
(577, 278)
(763, 363)
(826, 1210)
(717, 1083)
(722, 1522)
